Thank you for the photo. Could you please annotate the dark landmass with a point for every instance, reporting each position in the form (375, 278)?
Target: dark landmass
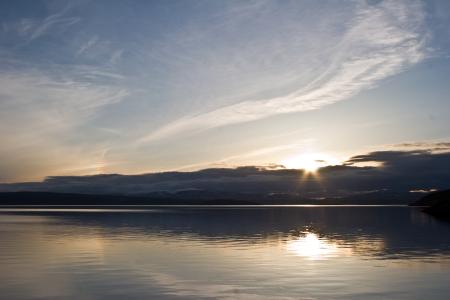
(432, 198)
(186, 198)
(66, 199)
(436, 204)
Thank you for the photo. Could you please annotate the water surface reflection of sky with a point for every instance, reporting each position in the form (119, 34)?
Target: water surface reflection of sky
(229, 253)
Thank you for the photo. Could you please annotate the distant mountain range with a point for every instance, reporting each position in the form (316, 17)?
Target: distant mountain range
(182, 198)
(69, 199)
(436, 203)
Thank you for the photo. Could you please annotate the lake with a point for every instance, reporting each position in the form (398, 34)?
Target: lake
(249, 252)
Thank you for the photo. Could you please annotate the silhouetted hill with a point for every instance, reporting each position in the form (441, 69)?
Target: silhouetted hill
(437, 203)
(441, 205)
(432, 198)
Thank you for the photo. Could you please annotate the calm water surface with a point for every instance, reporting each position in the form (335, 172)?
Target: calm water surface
(229, 253)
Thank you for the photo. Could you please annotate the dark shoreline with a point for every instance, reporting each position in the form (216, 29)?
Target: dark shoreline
(51, 199)
(187, 206)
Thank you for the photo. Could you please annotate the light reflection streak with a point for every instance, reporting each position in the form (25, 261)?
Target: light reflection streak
(313, 247)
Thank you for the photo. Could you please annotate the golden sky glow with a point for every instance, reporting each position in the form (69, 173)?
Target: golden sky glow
(310, 162)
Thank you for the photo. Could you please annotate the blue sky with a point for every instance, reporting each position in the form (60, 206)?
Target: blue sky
(129, 87)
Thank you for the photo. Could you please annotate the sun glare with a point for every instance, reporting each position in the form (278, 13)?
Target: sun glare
(309, 162)
(311, 246)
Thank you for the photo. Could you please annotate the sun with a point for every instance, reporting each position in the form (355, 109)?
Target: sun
(309, 162)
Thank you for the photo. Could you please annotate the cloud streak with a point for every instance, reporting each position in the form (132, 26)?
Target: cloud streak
(32, 29)
(89, 44)
(379, 41)
(39, 113)
(48, 94)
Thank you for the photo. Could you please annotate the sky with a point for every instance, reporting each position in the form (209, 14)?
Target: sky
(131, 87)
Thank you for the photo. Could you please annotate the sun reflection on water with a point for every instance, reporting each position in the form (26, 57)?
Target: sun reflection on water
(312, 247)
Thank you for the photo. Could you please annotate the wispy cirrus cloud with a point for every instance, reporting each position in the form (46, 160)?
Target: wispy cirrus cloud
(41, 111)
(377, 41)
(89, 44)
(235, 160)
(56, 101)
(48, 96)
(32, 29)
